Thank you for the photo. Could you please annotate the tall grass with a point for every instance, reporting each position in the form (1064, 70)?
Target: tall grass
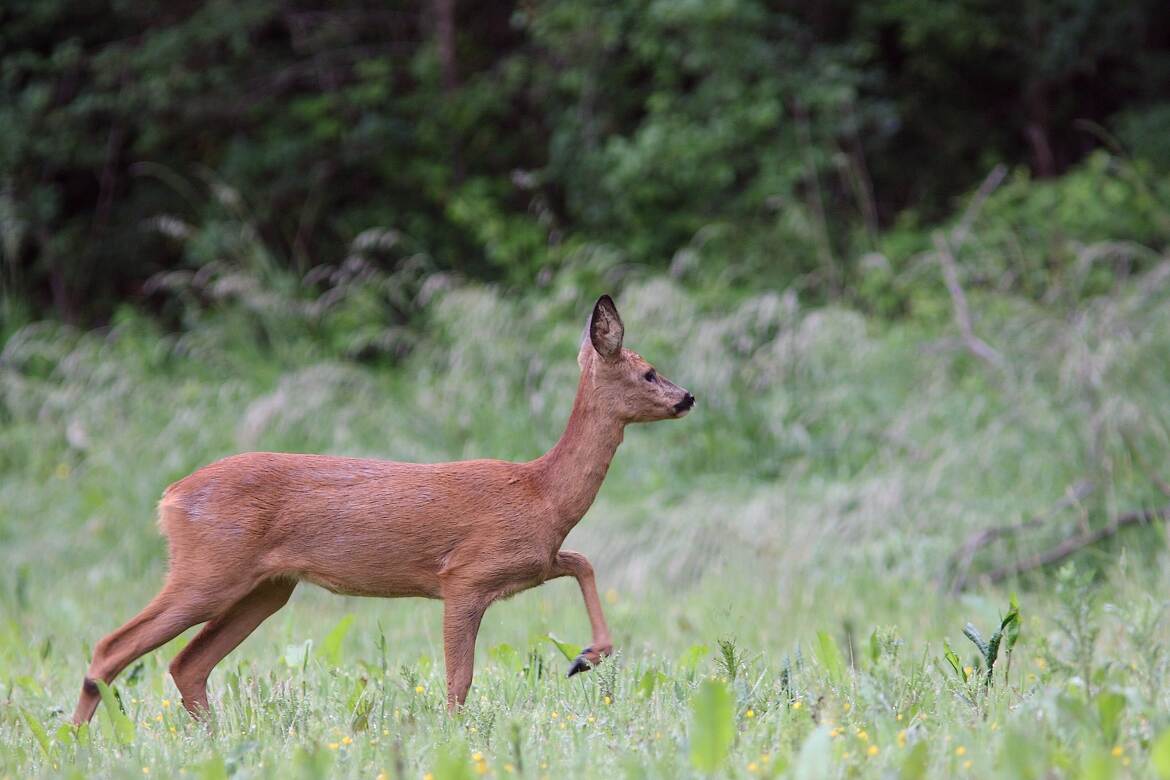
(811, 502)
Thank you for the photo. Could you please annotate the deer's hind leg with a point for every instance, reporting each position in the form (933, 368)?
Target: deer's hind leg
(175, 609)
(220, 636)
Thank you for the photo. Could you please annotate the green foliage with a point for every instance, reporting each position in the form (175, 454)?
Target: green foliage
(115, 723)
(1007, 635)
(830, 657)
(569, 651)
(1160, 755)
(1062, 235)
(331, 645)
(738, 140)
(712, 731)
(817, 425)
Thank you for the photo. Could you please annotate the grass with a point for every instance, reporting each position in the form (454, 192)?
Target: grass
(772, 566)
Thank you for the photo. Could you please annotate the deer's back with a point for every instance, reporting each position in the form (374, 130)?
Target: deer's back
(357, 525)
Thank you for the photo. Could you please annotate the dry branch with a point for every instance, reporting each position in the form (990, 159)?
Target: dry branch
(960, 562)
(946, 250)
(1076, 543)
(1060, 552)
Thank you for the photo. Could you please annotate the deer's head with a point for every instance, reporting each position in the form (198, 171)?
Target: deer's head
(622, 382)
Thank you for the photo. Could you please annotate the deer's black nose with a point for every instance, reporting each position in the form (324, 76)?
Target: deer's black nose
(686, 403)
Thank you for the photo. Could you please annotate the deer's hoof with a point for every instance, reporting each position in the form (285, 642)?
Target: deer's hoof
(580, 663)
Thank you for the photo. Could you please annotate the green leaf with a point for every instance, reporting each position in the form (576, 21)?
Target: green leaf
(830, 657)
(569, 651)
(953, 659)
(213, 769)
(1097, 764)
(712, 725)
(992, 654)
(30, 684)
(1160, 755)
(66, 734)
(875, 649)
(38, 731)
(506, 656)
(359, 705)
(973, 634)
(691, 657)
(650, 680)
(331, 645)
(1019, 756)
(452, 762)
(914, 765)
(1010, 625)
(123, 727)
(1110, 705)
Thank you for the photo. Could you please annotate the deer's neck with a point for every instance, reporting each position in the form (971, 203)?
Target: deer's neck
(571, 472)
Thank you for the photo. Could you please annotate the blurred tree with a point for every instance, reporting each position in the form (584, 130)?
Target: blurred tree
(785, 134)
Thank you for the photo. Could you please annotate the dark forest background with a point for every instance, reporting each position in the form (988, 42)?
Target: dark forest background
(778, 144)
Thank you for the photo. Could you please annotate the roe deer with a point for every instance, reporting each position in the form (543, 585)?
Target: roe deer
(244, 530)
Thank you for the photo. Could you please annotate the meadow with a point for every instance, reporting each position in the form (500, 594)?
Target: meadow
(778, 568)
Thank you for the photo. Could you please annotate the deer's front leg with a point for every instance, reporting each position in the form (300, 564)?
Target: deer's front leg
(461, 617)
(574, 564)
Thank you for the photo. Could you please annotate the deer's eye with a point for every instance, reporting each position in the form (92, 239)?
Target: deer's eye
(650, 375)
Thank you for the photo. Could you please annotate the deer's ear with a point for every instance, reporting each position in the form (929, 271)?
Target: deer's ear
(605, 328)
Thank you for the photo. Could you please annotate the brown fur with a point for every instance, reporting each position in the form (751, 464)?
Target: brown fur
(244, 530)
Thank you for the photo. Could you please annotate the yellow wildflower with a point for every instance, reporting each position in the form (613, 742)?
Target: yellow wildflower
(1118, 751)
(873, 750)
(960, 751)
(419, 689)
(750, 714)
